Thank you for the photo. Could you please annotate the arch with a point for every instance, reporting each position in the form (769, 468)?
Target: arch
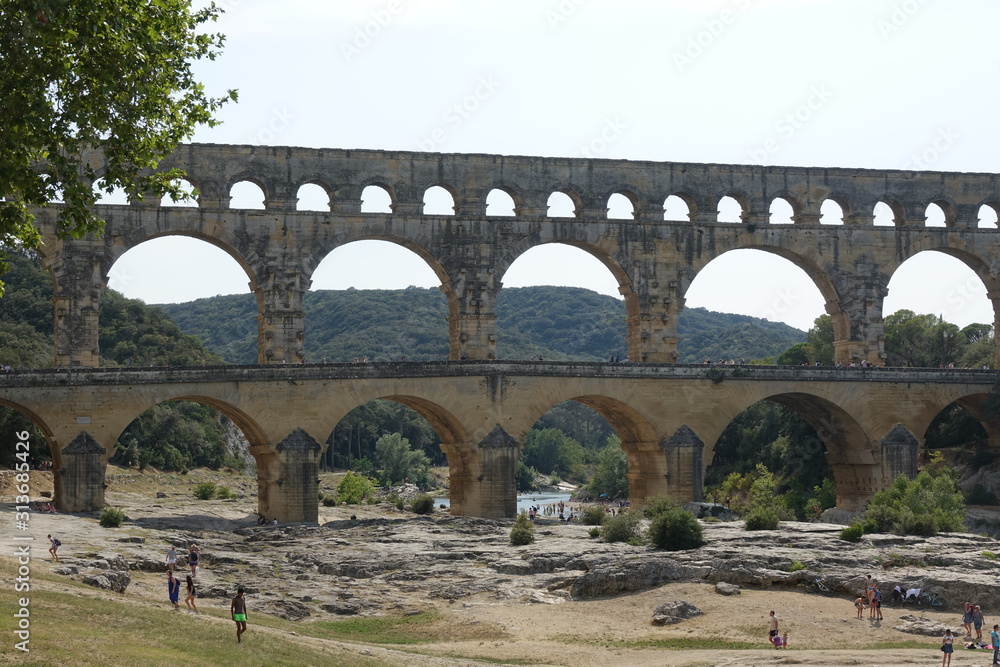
(564, 203)
(247, 194)
(728, 284)
(312, 196)
(35, 419)
(849, 450)
(622, 205)
(678, 207)
(915, 284)
(377, 198)
(365, 256)
(168, 257)
(781, 212)
(887, 213)
(187, 187)
(732, 208)
(935, 216)
(439, 200)
(502, 202)
(988, 215)
(116, 196)
(831, 212)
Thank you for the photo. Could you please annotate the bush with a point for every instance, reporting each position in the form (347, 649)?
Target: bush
(329, 501)
(112, 517)
(796, 566)
(205, 491)
(658, 505)
(924, 506)
(762, 518)
(675, 530)
(523, 531)
(593, 515)
(852, 533)
(223, 493)
(594, 532)
(622, 527)
(422, 504)
(354, 488)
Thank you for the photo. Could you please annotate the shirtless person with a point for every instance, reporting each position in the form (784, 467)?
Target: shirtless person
(238, 610)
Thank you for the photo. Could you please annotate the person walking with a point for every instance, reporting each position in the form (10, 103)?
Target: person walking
(54, 545)
(772, 627)
(238, 610)
(977, 622)
(191, 593)
(171, 558)
(947, 647)
(193, 559)
(995, 642)
(967, 619)
(174, 590)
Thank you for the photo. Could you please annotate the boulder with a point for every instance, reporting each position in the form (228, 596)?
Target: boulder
(114, 580)
(341, 608)
(616, 576)
(670, 613)
(709, 511)
(724, 588)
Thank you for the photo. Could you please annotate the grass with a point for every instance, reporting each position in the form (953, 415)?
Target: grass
(73, 628)
(667, 643)
(400, 630)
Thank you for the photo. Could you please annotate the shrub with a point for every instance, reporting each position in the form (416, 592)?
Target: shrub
(796, 566)
(762, 518)
(423, 504)
(852, 533)
(924, 506)
(634, 541)
(659, 505)
(621, 527)
(593, 516)
(523, 531)
(594, 532)
(205, 491)
(675, 530)
(223, 493)
(989, 555)
(329, 501)
(354, 488)
(112, 517)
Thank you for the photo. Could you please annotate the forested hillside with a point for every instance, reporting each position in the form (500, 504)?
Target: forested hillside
(557, 323)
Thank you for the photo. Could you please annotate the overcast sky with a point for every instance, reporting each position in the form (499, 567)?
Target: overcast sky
(853, 83)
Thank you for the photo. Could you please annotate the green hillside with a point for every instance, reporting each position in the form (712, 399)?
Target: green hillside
(557, 323)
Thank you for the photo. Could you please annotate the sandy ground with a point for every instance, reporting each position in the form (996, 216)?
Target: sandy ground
(822, 630)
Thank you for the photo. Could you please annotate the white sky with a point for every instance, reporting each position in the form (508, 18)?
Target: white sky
(892, 84)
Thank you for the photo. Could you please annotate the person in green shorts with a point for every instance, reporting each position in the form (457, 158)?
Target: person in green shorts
(238, 609)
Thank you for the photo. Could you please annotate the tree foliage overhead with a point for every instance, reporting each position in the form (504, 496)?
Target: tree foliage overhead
(107, 75)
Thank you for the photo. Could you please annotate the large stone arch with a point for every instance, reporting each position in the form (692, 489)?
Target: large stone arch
(855, 459)
(820, 272)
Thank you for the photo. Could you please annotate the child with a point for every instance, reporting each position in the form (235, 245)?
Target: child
(784, 640)
(859, 604)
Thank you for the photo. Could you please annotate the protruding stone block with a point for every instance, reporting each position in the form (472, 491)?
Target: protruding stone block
(287, 482)
(498, 454)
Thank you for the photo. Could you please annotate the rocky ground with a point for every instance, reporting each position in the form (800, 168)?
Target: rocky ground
(566, 599)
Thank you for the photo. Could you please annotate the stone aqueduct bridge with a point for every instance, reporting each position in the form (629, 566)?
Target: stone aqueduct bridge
(654, 260)
(668, 416)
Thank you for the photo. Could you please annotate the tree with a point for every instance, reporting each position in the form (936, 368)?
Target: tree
(820, 339)
(611, 476)
(549, 450)
(399, 462)
(112, 76)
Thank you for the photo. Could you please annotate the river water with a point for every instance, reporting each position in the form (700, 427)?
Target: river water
(524, 501)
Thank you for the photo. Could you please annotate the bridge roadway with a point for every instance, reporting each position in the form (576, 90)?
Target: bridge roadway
(870, 421)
